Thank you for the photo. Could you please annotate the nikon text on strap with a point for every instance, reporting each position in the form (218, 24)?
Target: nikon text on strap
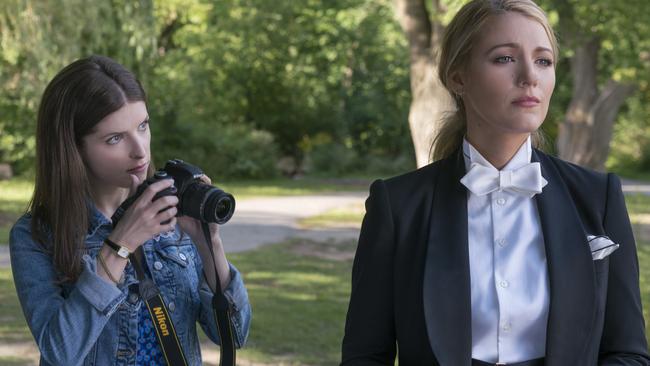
(165, 331)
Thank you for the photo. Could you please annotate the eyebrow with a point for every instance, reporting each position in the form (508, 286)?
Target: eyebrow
(119, 132)
(515, 45)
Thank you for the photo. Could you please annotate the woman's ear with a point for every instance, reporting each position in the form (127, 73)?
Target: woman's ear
(456, 82)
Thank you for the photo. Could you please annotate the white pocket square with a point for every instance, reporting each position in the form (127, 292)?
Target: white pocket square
(601, 246)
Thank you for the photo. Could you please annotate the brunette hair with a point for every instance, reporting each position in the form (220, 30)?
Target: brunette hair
(457, 43)
(78, 98)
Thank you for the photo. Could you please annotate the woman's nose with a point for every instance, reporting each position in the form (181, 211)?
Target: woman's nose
(138, 149)
(527, 75)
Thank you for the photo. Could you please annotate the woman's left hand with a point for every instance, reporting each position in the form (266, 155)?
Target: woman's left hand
(193, 228)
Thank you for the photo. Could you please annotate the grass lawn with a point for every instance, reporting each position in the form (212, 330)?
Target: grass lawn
(349, 216)
(299, 304)
(14, 197)
(292, 187)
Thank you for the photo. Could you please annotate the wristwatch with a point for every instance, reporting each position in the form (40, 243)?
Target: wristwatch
(121, 251)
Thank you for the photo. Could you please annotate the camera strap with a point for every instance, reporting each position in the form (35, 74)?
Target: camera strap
(221, 309)
(165, 331)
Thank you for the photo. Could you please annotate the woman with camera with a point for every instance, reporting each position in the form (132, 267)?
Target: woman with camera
(496, 253)
(75, 271)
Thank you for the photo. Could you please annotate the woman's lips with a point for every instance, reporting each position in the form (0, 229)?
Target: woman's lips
(526, 102)
(139, 168)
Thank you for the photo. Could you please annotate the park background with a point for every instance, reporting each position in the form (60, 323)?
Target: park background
(281, 98)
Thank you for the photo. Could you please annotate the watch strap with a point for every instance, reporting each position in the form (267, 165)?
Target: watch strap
(121, 251)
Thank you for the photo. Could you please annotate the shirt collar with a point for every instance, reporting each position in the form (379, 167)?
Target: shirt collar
(521, 157)
(96, 218)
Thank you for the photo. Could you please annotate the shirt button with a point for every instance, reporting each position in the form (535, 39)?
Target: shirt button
(504, 283)
(501, 201)
(171, 306)
(501, 242)
(125, 352)
(183, 257)
(506, 327)
(133, 298)
(157, 265)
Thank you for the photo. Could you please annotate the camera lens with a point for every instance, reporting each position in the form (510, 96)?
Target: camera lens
(207, 203)
(219, 207)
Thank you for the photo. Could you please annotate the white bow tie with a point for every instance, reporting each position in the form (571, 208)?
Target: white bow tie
(526, 181)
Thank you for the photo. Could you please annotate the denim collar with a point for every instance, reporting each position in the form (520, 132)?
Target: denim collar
(96, 219)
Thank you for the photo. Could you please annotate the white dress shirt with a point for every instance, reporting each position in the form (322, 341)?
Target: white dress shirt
(509, 277)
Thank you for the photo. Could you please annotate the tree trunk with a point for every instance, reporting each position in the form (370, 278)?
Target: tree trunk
(429, 98)
(586, 132)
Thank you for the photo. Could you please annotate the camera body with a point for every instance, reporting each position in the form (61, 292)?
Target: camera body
(196, 199)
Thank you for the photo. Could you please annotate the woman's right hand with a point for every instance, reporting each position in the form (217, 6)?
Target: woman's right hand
(144, 218)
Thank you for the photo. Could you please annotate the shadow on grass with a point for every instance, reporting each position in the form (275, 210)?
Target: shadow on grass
(299, 304)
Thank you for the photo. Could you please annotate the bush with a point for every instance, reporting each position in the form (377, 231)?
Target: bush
(331, 158)
(336, 159)
(226, 152)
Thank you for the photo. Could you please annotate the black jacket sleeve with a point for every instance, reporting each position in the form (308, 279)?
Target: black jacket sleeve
(623, 341)
(369, 330)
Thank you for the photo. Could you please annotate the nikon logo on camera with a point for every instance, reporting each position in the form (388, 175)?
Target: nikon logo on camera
(162, 320)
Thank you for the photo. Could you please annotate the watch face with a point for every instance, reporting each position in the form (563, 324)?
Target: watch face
(123, 252)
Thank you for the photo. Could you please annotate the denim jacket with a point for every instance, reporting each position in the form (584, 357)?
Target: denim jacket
(93, 322)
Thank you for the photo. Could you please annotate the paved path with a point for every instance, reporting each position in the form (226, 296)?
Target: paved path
(274, 219)
(632, 186)
(268, 220)
(261, 221)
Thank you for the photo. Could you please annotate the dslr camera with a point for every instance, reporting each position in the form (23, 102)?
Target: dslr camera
(196, 199)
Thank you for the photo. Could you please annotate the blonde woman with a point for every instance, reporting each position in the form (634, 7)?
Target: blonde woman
(496, 254)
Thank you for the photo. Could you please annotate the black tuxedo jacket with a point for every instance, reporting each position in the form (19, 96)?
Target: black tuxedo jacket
(411, 281)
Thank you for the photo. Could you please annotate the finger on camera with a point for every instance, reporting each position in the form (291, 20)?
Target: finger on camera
(135, 182)
(165, 214)
(164, 202)
(168, 226)
(156, 187)
(205, 179)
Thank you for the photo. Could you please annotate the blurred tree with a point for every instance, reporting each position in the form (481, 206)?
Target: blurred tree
(424, 29)
(608, 45)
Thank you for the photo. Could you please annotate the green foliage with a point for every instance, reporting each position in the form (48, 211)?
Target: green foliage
(234, 85)
(221, 152)
(336, 159)
(38, 38)
(304, 69)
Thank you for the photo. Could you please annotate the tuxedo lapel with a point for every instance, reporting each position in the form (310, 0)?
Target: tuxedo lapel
(571, 276)
(446, 283)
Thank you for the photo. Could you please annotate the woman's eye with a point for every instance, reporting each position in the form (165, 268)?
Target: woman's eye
(114, 140)
(545, 61)
(143, 125)
(504, 59)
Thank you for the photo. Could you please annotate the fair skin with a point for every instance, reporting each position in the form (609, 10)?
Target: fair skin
(117, 154)
(506, 85)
